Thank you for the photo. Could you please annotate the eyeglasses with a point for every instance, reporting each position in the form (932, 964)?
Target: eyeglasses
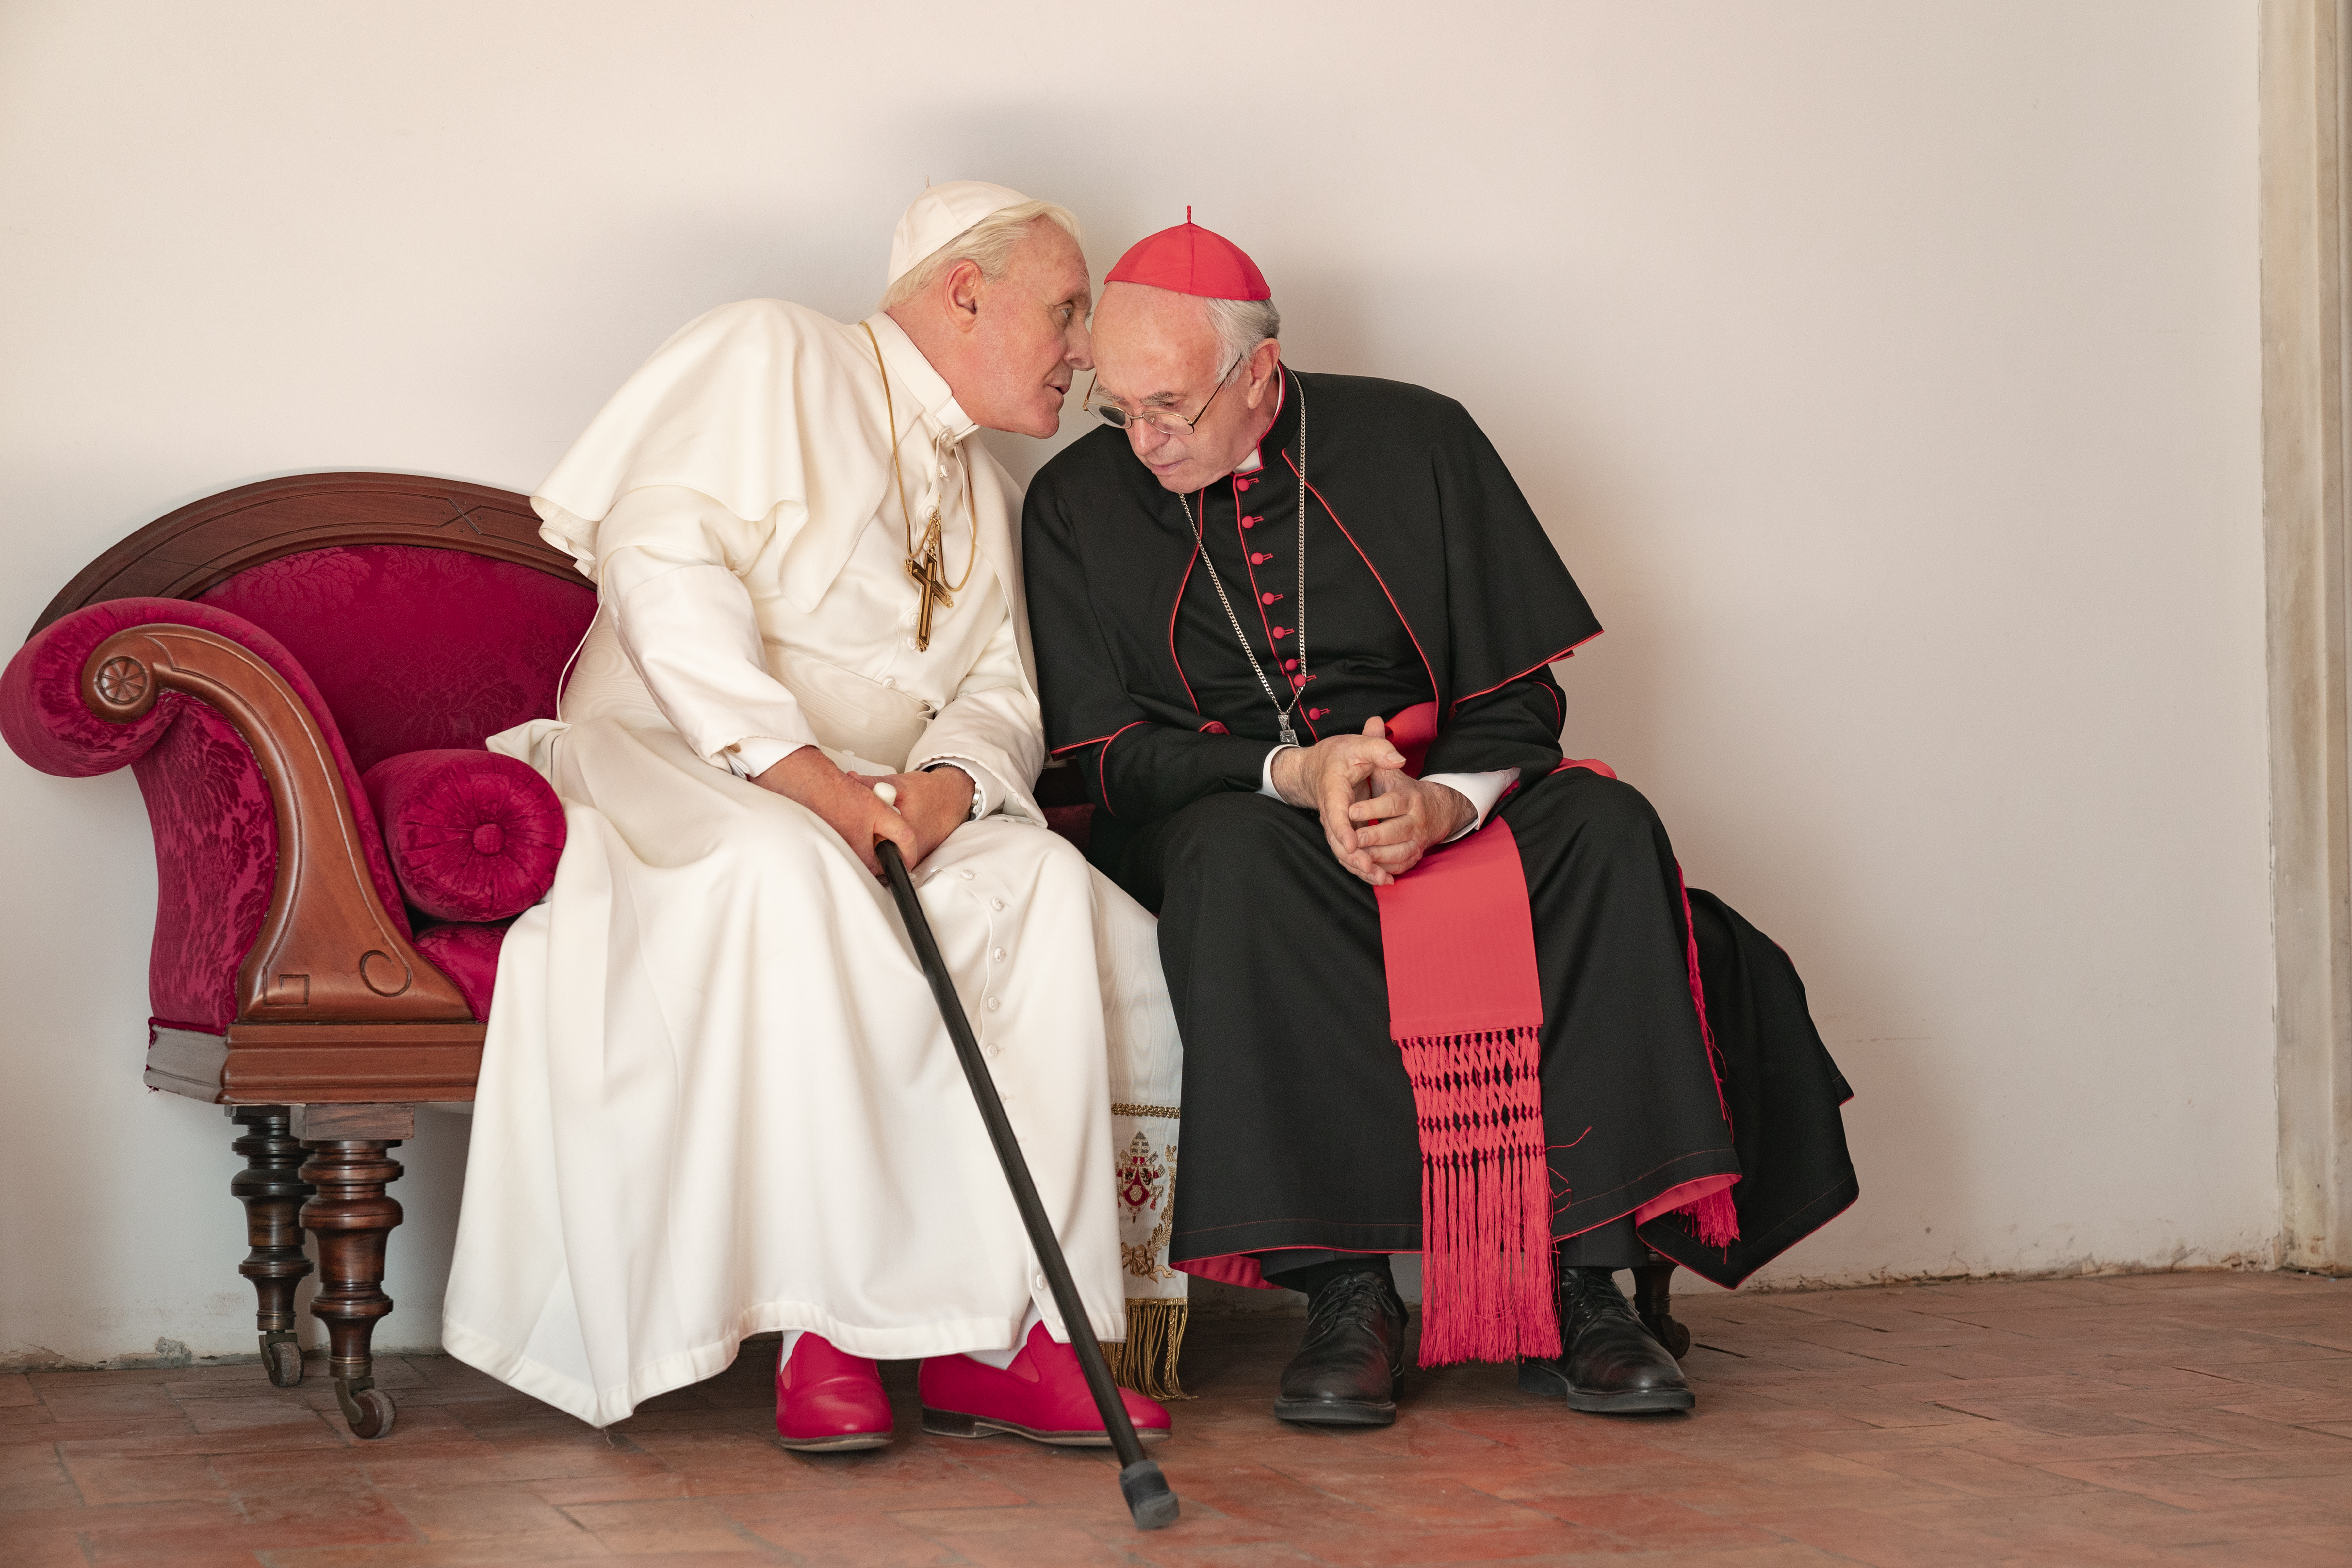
(1166, 422)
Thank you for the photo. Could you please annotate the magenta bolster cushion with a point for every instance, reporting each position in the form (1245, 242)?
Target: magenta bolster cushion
(474, 836)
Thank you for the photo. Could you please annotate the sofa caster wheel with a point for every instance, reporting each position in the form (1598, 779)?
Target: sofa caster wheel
(367, 1409)
(283, 1357)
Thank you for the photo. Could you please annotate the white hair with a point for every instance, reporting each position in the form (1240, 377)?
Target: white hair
(1241, 326)
(988, 245)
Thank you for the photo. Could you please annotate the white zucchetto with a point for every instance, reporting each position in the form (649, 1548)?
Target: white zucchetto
(939, 215)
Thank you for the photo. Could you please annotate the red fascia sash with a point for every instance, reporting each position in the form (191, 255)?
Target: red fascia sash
(1466, 1010)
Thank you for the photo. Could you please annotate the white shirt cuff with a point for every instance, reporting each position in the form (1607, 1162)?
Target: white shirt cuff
(1266, 775)
(755, 754)
(1481, 789)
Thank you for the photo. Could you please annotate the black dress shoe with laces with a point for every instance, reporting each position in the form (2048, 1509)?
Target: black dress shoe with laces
(1612, 1367)
(1345, 1373)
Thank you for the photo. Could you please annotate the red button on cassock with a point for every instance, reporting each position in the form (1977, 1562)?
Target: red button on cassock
(1268, 598)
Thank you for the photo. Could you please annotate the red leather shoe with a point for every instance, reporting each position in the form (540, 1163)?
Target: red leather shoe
(1042, 1395)
(827, 1401)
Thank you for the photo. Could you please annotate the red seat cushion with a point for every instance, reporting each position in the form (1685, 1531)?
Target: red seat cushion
(473, 835)
(468, 955)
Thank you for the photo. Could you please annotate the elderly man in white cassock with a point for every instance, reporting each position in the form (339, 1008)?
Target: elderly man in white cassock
(717, 1097)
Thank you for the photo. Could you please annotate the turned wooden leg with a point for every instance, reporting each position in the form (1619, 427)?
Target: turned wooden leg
(1652, 1300)
(272, 1193)
(353, 1219)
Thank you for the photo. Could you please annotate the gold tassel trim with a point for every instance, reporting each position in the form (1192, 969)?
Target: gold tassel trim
(1146, 1359)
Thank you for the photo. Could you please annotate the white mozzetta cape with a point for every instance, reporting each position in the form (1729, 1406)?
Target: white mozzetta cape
(733, 406)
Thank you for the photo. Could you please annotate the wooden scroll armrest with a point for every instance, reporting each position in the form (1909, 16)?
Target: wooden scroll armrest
(327, 950)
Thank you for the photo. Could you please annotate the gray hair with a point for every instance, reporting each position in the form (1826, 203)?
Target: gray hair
(988, 245)
(1242, 325)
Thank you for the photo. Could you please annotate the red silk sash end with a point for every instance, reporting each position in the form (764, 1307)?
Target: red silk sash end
(1412, 732)
(1713, 1217)
(1465, 1008)
(1706, 1205)
(1713, 1220)
(1698, 1001)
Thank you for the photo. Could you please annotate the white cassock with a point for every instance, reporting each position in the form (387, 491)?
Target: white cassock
(715, 1096)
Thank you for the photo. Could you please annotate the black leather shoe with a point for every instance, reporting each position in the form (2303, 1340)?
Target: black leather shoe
(1345, 1373)
(1612, 1367)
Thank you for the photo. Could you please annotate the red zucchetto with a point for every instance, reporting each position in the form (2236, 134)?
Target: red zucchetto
(1189, 259)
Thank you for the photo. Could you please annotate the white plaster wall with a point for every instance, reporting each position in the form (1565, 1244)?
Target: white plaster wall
(1886, 373)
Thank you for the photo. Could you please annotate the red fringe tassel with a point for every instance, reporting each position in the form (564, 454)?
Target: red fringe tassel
(1713, 1220)
(1488, 1287)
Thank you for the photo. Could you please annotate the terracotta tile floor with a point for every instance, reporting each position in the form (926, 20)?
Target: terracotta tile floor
(2159, 1418)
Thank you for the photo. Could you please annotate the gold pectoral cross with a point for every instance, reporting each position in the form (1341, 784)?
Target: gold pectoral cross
(930, 584)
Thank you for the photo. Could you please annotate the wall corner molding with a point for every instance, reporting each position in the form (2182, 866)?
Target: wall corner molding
(2303, 360)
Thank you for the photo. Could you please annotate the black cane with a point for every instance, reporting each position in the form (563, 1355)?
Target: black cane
(1149, 1499)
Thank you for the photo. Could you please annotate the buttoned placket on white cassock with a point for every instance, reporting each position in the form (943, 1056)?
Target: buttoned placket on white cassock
(717, 1098)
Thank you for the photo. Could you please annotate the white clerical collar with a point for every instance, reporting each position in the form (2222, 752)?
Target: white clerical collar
(1255, 460)
(912, 378)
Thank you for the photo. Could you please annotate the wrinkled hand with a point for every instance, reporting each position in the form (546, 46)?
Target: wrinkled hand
(1330, 776)
(848, 807)
(1403, 818)
(935, 804)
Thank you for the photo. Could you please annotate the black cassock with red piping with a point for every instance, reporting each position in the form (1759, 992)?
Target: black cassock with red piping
(1428, 579)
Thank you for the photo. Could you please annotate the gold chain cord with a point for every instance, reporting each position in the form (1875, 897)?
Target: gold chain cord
(905, 515)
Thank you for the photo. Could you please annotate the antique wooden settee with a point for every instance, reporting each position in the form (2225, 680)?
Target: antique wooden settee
(251, 657)
(262, 660)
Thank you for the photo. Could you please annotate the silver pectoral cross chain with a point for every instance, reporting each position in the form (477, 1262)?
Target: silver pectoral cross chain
(1282, 711)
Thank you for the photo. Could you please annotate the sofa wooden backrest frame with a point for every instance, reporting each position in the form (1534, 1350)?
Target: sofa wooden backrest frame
(334, 1004)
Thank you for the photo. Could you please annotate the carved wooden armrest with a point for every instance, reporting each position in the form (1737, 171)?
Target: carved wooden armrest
(329, 952)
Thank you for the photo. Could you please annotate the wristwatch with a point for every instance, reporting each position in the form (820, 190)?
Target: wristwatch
(977, 801)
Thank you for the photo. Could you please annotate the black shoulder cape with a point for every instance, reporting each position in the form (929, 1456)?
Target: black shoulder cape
(1407, 474)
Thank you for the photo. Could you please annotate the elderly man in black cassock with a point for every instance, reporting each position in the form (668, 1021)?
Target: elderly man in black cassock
(1441, 989)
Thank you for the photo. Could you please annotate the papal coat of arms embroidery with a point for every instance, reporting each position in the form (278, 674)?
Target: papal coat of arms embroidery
(1146, 1207)
(1145, 1171)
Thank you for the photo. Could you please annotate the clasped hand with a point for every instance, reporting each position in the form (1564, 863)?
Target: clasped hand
(930, 805)
(1378, 819)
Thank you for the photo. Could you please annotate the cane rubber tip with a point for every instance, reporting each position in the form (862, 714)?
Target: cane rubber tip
(886, 792)
(1149, 1500)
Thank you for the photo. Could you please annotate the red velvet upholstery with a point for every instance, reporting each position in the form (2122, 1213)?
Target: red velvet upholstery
(215, 839)
(216, 836)
(473, 835)
(468, 955)
(415, 649)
